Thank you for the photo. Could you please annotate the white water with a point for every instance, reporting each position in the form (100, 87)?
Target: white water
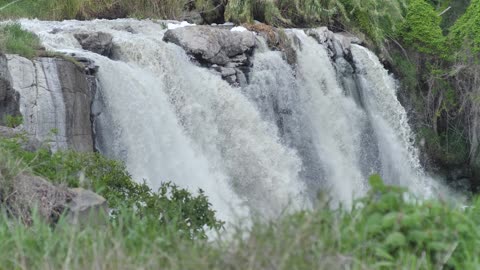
(264, 148)
(399, 157)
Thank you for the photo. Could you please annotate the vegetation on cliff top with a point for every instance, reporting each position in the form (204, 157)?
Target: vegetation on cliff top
(14, 40)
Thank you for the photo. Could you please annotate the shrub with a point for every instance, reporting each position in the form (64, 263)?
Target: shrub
(421, 29)
(191, 213)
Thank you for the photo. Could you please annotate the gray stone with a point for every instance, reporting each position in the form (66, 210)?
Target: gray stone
(211, 44)
(231, 80)
(192, 17)
(339, 44)
(241, 78)
(9, 100)
(32, 192)
(55, 100)
(29, 192)
(97, 42)
(86, 207)
(225, 72)
(217, 48)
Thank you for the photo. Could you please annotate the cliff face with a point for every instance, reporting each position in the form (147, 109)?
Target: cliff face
(8, 97)
(54, 97)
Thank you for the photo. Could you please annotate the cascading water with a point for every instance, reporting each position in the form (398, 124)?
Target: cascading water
(399, 157)
(271, 145)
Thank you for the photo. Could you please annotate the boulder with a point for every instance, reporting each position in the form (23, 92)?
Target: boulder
(211, 44)
(23, 194)
(226, 52)
(86, 207)
(26, 193)
(338, 43)
(97, 42)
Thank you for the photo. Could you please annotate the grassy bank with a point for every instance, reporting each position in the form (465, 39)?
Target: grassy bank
(384, 233)
(89, 9)
(166, 229)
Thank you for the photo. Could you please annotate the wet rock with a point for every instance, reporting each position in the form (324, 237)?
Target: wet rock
(97, 42)
(210, 44)
(25, 193)
(9, 99)
(55, 101)
(215, 47)
(339, 44)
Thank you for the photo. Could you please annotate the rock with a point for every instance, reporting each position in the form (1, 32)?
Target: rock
(217, 48)
(210, 44)
(55, 101)
(339, 44)
(9, 99)
(29, 192)
(321, 34)
(97, 42)
(225, 72)
(86, 207)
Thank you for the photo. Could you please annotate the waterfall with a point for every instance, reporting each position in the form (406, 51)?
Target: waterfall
(398, 154)
(272, 145)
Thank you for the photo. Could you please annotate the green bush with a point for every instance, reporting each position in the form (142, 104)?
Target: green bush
(466, 31)
(170, 204)
(421, 29)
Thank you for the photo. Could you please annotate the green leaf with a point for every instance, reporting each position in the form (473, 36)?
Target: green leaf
(395, 240)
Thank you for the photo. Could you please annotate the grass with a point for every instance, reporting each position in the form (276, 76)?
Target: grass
(15, 40)
(88, 9)
(384, 231)
(387, 229)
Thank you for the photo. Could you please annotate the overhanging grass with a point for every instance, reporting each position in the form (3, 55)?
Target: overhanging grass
(15, 40)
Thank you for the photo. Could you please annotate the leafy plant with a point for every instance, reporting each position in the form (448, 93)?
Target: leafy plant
(191, 213)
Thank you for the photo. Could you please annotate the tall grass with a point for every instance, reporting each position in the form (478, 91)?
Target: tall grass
(382, 231)
(89, 9)
(14, 40)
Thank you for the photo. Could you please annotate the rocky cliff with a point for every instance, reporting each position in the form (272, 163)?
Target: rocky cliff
(54, 97)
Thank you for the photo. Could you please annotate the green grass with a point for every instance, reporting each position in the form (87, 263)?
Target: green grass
(88, 9)
(387, 229)
(383, 231)
(15, 40)
(191, 213)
